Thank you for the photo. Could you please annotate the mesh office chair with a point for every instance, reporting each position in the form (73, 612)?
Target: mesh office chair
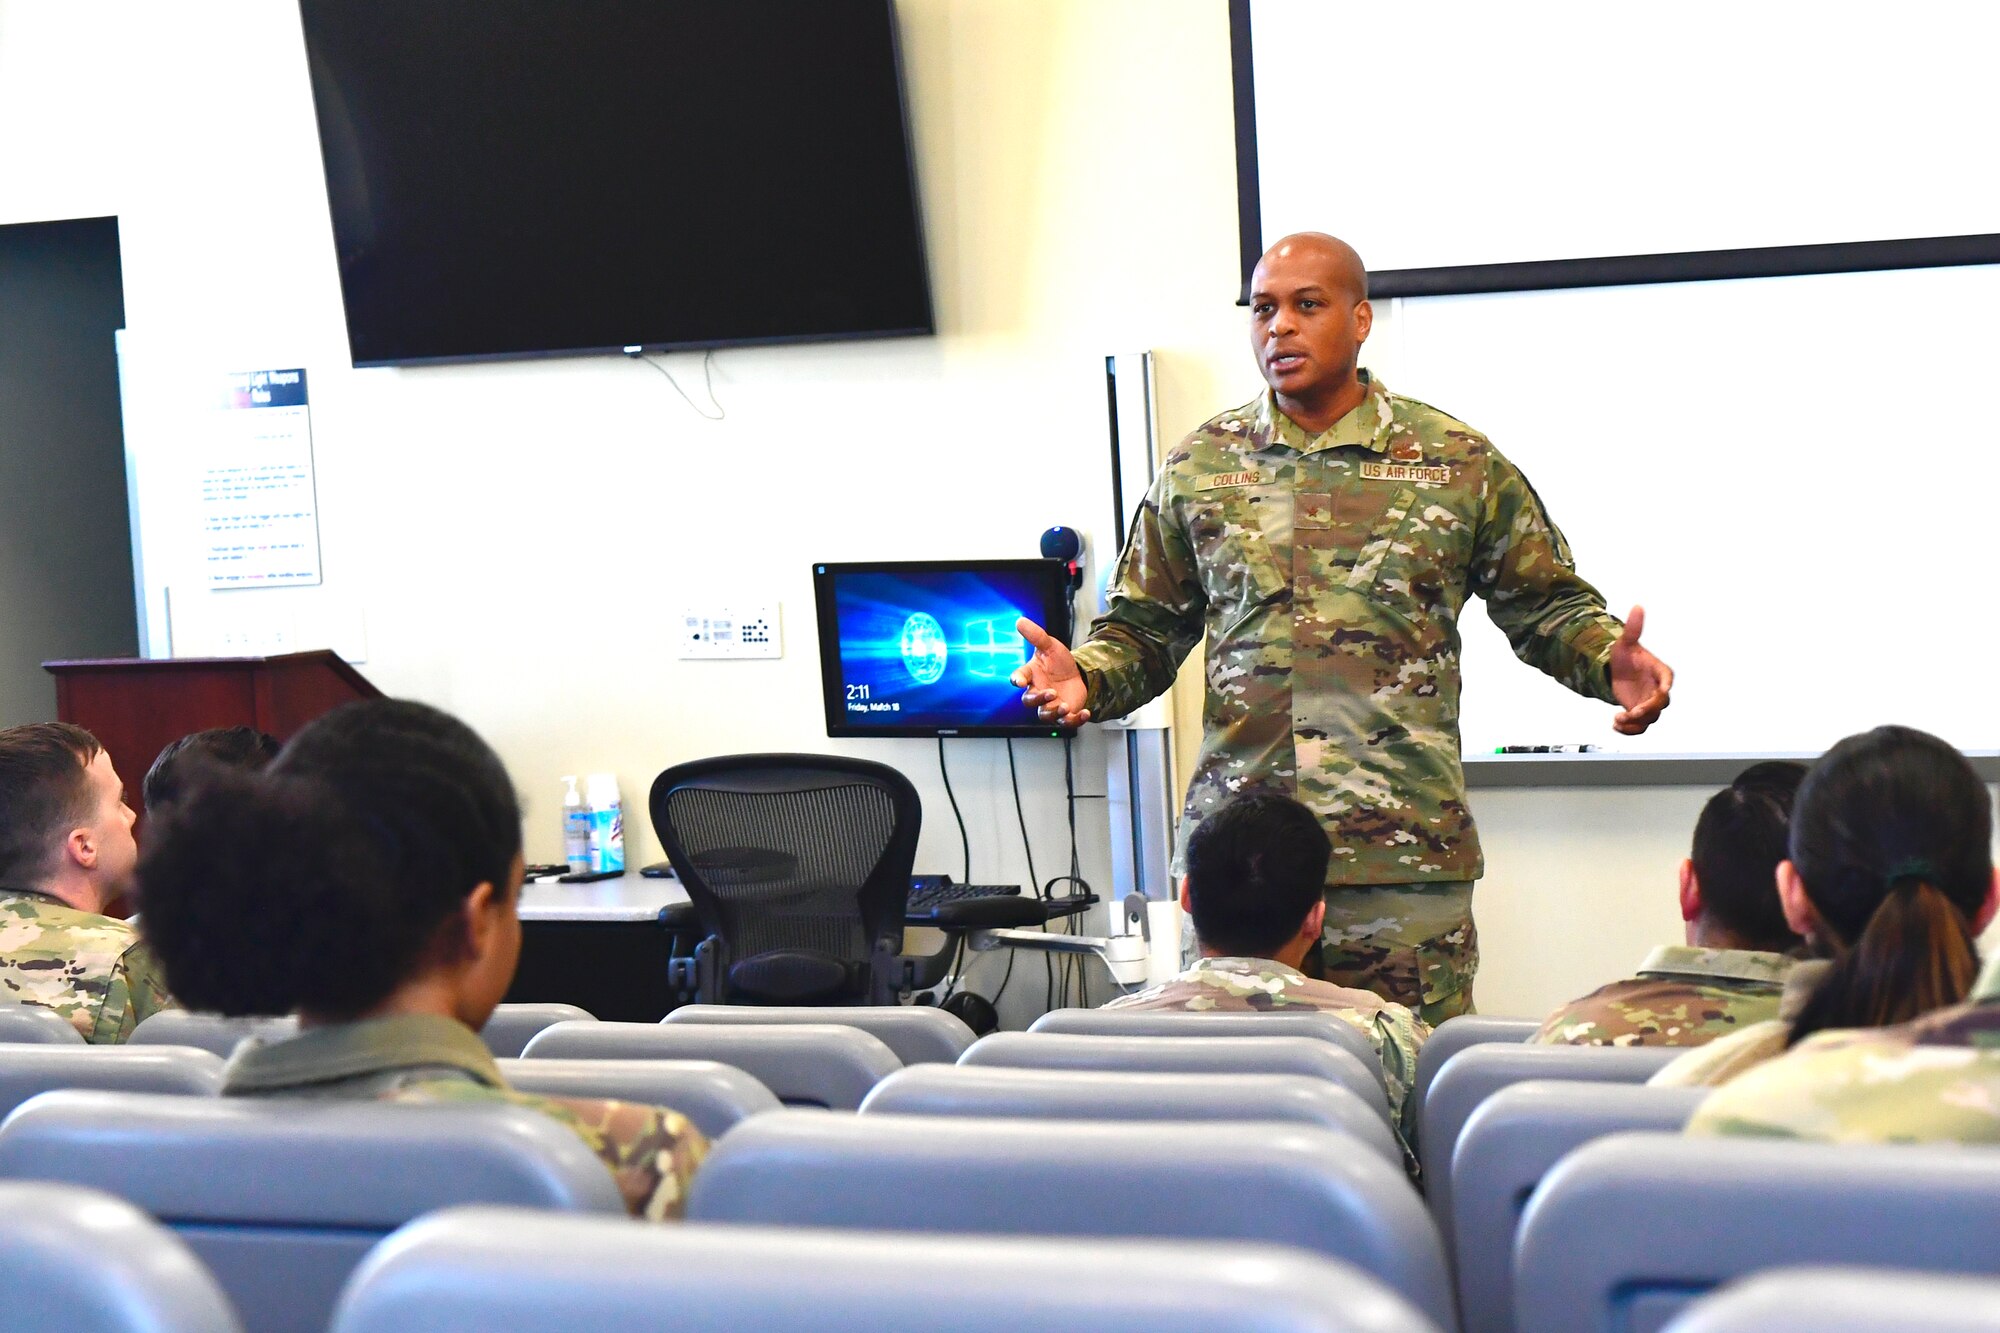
(799, 867)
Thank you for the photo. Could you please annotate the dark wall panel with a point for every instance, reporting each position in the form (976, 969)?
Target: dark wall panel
(65, 540)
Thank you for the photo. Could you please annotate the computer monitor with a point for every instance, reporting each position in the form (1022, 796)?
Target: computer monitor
(925, 647)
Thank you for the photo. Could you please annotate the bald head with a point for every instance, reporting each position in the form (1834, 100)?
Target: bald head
(1309, 315)
(1338, 262)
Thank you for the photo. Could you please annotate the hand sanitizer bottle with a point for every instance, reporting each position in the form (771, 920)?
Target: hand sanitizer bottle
(576, 829)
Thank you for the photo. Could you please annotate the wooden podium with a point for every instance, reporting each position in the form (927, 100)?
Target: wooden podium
(135, 706)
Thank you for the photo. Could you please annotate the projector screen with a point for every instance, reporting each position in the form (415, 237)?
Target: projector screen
(1466, 146)
(1796, 476)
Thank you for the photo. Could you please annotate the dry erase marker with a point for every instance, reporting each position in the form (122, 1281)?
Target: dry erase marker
(1545, 749)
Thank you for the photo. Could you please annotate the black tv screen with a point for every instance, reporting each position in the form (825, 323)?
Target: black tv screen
(926, 647)
(533, 177)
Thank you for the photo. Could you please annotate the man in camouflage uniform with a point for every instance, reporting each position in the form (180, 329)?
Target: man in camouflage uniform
(1324, 538)
(1256, 876)
(1935, 1079)
(420, 1058)
(1731, 972)
(66, 851)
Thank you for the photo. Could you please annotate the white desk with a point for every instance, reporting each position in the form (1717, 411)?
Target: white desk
(632, 897)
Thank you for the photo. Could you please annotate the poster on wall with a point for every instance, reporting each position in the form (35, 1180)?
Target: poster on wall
(259, 507)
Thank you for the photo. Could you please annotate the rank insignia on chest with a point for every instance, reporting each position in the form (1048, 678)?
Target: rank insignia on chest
(1436, 475)
(1215, 481)
(1406, 451)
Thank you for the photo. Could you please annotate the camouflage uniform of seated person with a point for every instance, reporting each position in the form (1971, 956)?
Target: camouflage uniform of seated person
(66, 852)
(1731, 971)
(1256, 871)
(1889, 881)
(1933, 1080)
(368, 880)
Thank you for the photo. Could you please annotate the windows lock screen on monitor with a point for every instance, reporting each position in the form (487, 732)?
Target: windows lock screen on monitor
(926, 648)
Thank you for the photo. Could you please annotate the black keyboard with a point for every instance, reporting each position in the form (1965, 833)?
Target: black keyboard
(930, 892)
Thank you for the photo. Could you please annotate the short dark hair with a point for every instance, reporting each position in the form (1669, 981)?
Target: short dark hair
(44, 793)
(323, 881)
(182, 762)
(1254, 870)
(1738, 841)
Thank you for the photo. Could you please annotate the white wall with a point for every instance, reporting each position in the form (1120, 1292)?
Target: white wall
(514, 537)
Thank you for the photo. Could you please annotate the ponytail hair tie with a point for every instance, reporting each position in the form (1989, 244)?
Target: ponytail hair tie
(1912, 868)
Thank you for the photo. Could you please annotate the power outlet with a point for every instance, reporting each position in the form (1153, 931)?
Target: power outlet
(749, 630)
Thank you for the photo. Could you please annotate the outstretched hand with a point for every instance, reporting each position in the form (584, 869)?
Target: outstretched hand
(1641, 682)
(1054, 687)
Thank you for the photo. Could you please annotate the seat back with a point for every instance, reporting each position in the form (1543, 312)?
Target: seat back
(82, 1261)
(804, 1064)
(1309, 1056)
(26, 1071)
(280, 1198)
(799, 865)
(1456, 1034)
(1513, 1140)
(1292, 1184)
(1629, 1229)
(1482, 1070)
(1846, 1300)
(1076, 1094)
(576, 1272)
(712, 1096)
(211, 1032)
(916, 1034)
(32, 1023)
(1173, 1023)
(512, 1026)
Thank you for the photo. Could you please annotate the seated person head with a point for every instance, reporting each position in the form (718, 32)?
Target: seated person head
(1256, 879)
(65, 829)
(1891, 876)
(373, 868)
(1729, 889)
(184, 762)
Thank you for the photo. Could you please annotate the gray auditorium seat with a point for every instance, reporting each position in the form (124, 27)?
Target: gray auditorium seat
(500, 1270)
(916, 1034)
(512, 1026)
(28, 1070)
(1846, 1300)
(211, 1032)
(1309, 1056)
(1091, 1094)
(1172, 1023)
(1291, 1184)
(1457, 1034)
(32, 1023)
(1514, 1139)
(714, 1096)
(1629, 1229)
(80, 1261)
(804, 1064)
(280, 1198)
(1477, 1073)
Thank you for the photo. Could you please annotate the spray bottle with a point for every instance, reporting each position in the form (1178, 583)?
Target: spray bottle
(607, 824)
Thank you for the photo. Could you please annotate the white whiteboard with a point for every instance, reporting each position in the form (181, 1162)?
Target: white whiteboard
(1798, 477)
(1467, 132)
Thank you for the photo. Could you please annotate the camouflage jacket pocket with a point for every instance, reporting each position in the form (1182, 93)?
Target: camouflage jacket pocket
(1242, 541)
(1380, 556)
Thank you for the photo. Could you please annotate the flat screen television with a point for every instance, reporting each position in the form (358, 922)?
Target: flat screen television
(925, 648)
(516, 178)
